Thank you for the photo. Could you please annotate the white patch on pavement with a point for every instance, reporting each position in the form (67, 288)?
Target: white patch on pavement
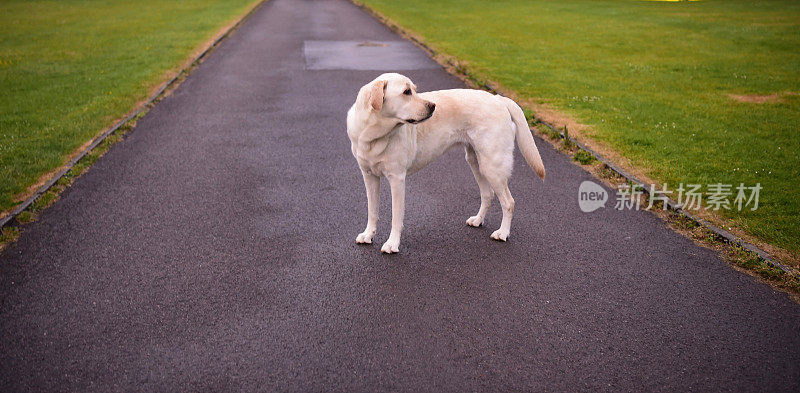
(365, 55)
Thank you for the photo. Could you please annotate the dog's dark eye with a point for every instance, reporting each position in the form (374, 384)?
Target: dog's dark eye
(407, 92)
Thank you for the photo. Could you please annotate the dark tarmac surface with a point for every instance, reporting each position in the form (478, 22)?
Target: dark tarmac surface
(214, 250)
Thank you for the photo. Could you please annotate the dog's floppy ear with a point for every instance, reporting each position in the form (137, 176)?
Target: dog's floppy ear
(376, 95)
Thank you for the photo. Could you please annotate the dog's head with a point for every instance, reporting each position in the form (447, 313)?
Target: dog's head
(394, 96)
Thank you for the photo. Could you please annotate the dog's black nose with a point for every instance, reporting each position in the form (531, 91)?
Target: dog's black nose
(431, 106)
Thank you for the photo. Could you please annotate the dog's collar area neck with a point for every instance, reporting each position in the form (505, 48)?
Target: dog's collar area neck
(377, 121)
(376, 130)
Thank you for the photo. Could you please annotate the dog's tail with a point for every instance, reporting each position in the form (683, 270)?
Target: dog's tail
(524, 137)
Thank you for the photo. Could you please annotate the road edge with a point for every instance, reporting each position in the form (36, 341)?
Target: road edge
(11, 220)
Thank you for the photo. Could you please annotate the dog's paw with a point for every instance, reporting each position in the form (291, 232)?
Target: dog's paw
(365, 237)
(475, 221)
(500, 235)
(390, 247)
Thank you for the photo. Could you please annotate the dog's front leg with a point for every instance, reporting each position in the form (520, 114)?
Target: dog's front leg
(398, 184)
(372, 185)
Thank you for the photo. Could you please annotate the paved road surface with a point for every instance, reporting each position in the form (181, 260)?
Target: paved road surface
(213, 250)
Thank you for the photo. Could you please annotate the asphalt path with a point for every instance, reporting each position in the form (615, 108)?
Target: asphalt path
(213, 250)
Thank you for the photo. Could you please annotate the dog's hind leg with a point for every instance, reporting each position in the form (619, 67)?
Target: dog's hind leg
(497, 172)
(487, 195)
(507, 202)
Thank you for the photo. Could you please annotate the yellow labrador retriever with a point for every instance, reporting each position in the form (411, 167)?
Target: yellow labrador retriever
(396, 131)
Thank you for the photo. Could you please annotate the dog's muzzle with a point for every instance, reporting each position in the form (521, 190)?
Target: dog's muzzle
(431, 107)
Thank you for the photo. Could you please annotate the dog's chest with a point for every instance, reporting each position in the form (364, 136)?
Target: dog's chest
(383, 156)
(371, 156)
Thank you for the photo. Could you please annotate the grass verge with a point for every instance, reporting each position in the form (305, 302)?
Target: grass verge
(113, 135)
(68, 69)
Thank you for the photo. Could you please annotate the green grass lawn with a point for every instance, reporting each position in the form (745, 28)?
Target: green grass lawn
(652, 79)
(69, 68)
